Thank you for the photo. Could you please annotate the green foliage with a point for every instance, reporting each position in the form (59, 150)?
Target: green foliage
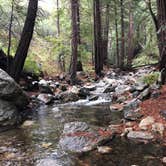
(151, 78)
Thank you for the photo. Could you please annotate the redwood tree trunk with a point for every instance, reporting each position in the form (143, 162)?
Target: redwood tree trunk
(24, 43)
(74, 44)
(97, 38)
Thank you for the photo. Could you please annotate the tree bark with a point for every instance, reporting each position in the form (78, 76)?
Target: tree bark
(97, 38)
(74, 44)
(24, 43)
(58, 18)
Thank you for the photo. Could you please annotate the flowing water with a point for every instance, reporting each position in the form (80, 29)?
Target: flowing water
(31, 145)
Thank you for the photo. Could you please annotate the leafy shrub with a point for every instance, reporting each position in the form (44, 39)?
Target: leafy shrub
(151, 78)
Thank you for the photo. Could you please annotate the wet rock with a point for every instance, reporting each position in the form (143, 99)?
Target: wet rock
(116, 107)
(45, 98)
(122, 89)
(140, 135)
(93, 98)
(79, 137)
(67, 97)
(8, 114)
(158, 128)
(163, 113)
(83, 92)
(145, 94)
(90, 87)
(74, 89)
(131, 114)
(104, 149)
(11, 91)
(146, 122)
(27, 123)
(109, 88)
(45, 89)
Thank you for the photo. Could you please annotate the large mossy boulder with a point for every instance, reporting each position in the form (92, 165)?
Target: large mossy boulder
(12, 101)
(11, 91)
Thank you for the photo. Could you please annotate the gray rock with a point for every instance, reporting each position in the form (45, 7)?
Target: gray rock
(79, 137)
(109, 88)
(140, 135)
(131, 114)
(8, 114)
(133, 104)
(90, 87)
(163, 113)
(145, 94)
(11, 91)
(45, 98)
(141, 86)
(68, 97)
(83, 92)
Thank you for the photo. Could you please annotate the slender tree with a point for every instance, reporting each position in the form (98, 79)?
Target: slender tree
(58, 18)
(97, 38)
(74, 44)
(24, 43)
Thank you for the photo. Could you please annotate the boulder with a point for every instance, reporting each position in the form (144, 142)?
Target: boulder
(83, 92)
(8, 115)
(140, 135)
(45, 98)
(158, 128)
(146, 122)
(131, 114)
(11, 91)
(67, 97)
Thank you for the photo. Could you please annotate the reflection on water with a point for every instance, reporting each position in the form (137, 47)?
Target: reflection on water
(25, 146)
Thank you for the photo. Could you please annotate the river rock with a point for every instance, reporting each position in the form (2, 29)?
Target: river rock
(141, 86)
(67, 97)
(79, 137)
(140, 135)
(45, 98)
(90, 87)
(164, 160)
(122, 89)
(131, 114)
(83, 92)
(8, 114)
(145, 94)
(158, 128)
(146, 122)
(109, 88)
(11, 91)
(104, 149)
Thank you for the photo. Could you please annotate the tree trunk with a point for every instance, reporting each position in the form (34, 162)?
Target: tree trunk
(24, 43)
(9, 37)
(105, 35)
(122, 35)
(130, 37)
(74, 44)
(117, 37)
(58, 18)
(97, 38)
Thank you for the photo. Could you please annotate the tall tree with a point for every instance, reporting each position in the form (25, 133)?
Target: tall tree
(24, 43)
(58, 18)
(122, 34)
(74, 44)
(97, 37)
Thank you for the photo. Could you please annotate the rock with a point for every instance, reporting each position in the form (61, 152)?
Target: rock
(122, 89)
(145, 94)
(133, 104)
(79, 137)
(63, 87)
(109, 88)
(93, 98)
(27, 123)
(45, 89)
(83, 92)
(8, 115)
(163, 113)
(146, 122)
(104, 149)
(74, 90)
(43, 82)
(11, 91)
(164, 160)
(68, 97)
(140, 135)
(126, 131)
(116, 107)
(90, 87)
(158, 128)
(141, 86)
(131, 114)
(45, 98)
